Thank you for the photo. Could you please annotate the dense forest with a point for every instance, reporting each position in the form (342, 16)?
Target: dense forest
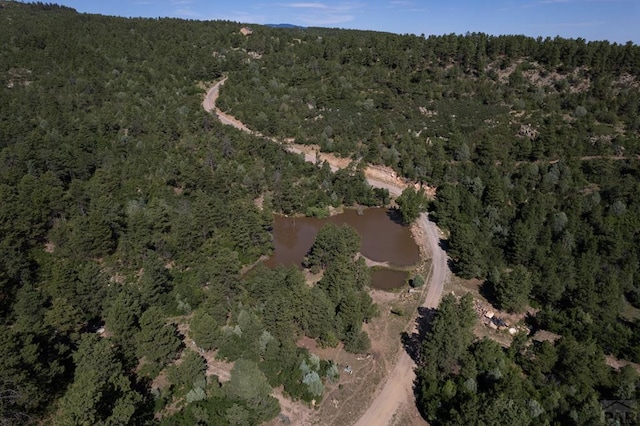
(534, 147)
(463, 381)
(130, 216)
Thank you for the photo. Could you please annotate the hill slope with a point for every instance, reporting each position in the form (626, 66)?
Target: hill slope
(129, 213)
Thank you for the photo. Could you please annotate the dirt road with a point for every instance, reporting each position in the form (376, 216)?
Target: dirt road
(396, 392)
(209, 104)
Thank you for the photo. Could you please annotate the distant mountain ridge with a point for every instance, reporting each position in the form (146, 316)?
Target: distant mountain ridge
(289, 26)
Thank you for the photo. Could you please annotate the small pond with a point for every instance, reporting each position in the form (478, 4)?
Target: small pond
(387, 279)
(383, 239)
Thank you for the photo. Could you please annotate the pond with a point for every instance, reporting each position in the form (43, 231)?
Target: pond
(387, 279)
(383, 239)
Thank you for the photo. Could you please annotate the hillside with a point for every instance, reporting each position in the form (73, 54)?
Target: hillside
(130, 215)
(533, 147)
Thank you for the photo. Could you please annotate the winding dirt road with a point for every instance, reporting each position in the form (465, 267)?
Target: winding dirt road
(397, 391)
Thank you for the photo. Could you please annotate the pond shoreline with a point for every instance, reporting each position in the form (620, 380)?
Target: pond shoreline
(384, 241)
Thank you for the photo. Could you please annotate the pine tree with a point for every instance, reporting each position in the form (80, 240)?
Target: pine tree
(156, 341)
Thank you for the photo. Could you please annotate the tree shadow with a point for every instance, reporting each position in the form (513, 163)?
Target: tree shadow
(488, 291)
(412, 342)
(145, 409)
(453, 266)
(533, 323)
(395, 216)
(443, 244)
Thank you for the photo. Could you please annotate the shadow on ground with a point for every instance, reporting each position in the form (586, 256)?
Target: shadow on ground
(412, 342)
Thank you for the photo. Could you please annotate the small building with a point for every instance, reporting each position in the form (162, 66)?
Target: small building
(246, 31)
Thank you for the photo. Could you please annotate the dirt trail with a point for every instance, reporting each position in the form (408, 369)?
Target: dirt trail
(209, 104)
(395, 394)
(378, 176)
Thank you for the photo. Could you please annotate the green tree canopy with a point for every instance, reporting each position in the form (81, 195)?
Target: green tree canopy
(411, 203)
(101, 392)
(333, 242)
(156, 341)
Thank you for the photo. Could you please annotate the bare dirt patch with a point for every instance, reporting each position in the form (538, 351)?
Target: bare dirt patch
(345, 400)
(291, 412)
(312, 278)
(617, 364)
(385, 174)
(313, 154)
(215, 367)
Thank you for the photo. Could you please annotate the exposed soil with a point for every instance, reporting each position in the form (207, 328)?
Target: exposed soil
(617, 364)
(491, 322)
(215, 367)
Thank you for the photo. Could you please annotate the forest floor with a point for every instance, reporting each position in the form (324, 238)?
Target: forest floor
(379, 391)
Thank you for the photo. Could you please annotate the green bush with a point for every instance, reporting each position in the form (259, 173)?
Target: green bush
(417, 281)
(317, 212)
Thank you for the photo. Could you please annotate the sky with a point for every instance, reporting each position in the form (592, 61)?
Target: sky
(613, 20)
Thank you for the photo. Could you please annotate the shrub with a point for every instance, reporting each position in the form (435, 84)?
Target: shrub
(417, 281)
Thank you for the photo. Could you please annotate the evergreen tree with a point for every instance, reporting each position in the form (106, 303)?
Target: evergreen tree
(156, 341)
(411, 203)
(101, 393)
(513, 289)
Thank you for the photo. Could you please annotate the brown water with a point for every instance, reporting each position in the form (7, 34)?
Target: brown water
(383, 240)
(387, 279)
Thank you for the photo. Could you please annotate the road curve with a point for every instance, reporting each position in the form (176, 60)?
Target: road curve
(209, 104)
(398, 388)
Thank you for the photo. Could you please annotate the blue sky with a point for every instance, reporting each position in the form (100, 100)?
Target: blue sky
(614, 20)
